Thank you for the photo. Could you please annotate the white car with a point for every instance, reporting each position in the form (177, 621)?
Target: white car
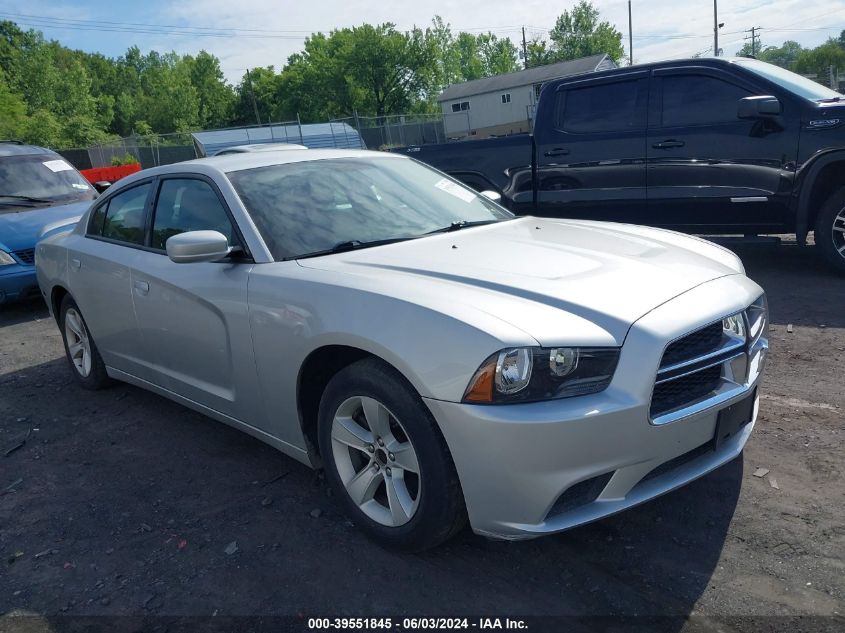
(258, 147)
(439, 357)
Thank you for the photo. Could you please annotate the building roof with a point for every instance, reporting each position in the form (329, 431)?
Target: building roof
(527, 77)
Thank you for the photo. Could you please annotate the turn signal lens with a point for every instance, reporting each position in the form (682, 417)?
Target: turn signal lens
(480, 388)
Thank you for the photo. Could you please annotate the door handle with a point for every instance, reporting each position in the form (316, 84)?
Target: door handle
(668, 144)
(75, 264)
(557, 151)
(142, 287)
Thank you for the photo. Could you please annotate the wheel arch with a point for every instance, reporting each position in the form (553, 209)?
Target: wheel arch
(825, 175)
(318, 368)
(57, 295)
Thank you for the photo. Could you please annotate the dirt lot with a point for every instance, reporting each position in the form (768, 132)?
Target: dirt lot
(125, 504)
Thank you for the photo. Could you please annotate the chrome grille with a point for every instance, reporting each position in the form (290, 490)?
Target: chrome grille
(26, 256)
(674, 394)
(699, 343)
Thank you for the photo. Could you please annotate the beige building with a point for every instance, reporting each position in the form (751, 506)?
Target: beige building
(504, 104)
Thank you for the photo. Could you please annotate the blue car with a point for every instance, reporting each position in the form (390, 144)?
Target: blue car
(40, 194)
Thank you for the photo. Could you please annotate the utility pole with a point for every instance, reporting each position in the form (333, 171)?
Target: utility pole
(630, 37)
(715, 28)
(755, 36)
(524, 50)
(252, 92)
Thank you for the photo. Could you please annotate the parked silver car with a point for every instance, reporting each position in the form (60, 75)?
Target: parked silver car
(439, 357)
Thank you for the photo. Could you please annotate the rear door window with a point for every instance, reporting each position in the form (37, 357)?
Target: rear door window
(122, 218)
(607, 107)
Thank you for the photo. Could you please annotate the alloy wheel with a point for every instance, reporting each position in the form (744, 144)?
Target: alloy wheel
(78, 344)
(376, 461)
(838, 232)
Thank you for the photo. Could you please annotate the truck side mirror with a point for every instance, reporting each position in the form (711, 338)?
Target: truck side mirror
(760, 107)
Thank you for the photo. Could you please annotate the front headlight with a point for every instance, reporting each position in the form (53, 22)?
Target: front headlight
(529, 374)
(6, 259)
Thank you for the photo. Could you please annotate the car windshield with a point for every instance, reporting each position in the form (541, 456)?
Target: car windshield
(35, 180)
(797, 84)
(310, 207)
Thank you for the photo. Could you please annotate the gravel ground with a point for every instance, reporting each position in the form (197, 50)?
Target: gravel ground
(122, 503)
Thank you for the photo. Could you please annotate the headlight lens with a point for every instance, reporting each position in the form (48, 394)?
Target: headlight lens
(758, 319)
(6, 259)
(734, 326)
(513, 370)
(529, 374)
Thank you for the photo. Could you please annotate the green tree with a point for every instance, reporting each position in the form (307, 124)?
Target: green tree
(446, 69)
(470, 64)
(216, 97)
(498, 55)
(539, 53)
(13, 117)
(819, 61)
(578, 33)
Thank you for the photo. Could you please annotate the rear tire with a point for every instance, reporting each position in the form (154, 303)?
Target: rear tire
(386, 459)
(830, 230)
(85, 362)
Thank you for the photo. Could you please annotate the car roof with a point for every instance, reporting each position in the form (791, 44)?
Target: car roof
(214, 165)
(16, 148)
(712, 62)
(259, 147)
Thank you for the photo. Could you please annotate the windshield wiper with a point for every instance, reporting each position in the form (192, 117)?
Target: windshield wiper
(25, 198)
(830, 100)
(349, 245)
(457, 225)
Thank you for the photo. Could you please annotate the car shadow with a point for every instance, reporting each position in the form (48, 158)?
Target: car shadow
(23, 311)
(142, 500)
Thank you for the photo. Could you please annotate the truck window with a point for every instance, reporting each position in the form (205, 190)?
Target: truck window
(607, 107)
(699, 100)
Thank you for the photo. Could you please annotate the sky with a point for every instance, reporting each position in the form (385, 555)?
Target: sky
(254, 33)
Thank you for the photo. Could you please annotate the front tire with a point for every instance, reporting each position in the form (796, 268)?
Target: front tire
(82, 354)
(386, 459)
(830, 230)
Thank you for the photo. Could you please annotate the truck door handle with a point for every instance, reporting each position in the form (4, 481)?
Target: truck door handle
(557, 151)
(75, 264)
(142, 287)
(668, 143)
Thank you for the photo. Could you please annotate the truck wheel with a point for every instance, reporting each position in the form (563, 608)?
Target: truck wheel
(82, 354)
(386, 460)
(830, 230)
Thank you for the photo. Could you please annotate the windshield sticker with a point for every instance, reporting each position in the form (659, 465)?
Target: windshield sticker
(57, 165)
(456, 190)
(77, 185)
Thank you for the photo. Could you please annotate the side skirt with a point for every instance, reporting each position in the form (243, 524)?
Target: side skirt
(299, 454)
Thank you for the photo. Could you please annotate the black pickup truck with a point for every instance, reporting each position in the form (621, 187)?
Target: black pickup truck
(713, 146)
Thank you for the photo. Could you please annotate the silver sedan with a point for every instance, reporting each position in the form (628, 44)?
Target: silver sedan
(441, 358)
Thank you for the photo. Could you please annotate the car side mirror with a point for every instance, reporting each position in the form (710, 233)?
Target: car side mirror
(197, 246)
(495, 196)
(102, 185)
(760, 107)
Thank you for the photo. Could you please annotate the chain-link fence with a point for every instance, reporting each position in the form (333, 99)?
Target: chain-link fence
(398, 130)
(150, 150)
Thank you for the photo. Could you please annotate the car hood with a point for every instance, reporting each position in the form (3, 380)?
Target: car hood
(560, 281)
(20, 230)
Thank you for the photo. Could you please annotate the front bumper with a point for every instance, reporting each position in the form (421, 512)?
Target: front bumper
(17, 282)
(517, 463)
